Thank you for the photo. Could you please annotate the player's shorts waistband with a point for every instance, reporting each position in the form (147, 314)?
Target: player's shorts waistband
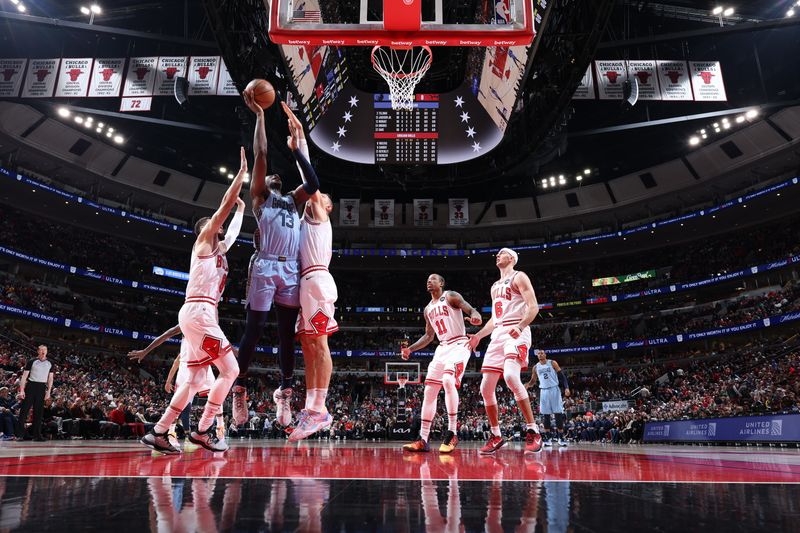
(313, 268)
(454, 340)
(201, 300)
(280, 258)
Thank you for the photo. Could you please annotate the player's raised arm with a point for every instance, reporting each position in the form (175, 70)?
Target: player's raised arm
(258, 180)
(421, 343)
(523, 284)
(299, 146)
(234, 227)
(138, 355)
(228, 201)
(458, 301)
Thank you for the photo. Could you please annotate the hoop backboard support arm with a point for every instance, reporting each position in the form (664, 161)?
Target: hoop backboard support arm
(283, 31)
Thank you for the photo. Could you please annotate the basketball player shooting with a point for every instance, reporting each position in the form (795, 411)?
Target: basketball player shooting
(205, 343)
(443, 319)
(514, 307)
(274, 276)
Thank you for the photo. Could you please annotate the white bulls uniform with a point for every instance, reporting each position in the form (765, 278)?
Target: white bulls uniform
(183, 374)
(317, 289)
(508, 308)
(452, 354)
(203, 338)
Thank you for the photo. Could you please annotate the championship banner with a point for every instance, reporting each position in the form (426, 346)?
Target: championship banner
(610, 76)
(459, 212)
(141, 76)
(673, 77)
(169, 68)
(73, 77)
(11, 72)
(423, 212)
(203, 75)
(348, 211)
(106, 77)
(707, 81)
(41, 78)
(384, 213)
(585, 90)
(644, 72)
(226, 85)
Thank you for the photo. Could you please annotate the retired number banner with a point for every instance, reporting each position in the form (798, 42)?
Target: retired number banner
(348, 211)
(384, 213)
(423, 212)
(459, 212)
(11, 71)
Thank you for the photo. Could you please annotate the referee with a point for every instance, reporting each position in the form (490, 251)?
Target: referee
(34, 389)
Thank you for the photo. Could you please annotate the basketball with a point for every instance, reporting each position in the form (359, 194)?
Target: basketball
(263, 92)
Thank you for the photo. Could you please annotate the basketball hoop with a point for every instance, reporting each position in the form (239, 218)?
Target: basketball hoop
(402, 379)
(402, 68)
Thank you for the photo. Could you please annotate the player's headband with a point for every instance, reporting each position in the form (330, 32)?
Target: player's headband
(510, 252)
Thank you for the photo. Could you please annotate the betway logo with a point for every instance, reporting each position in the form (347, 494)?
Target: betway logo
(504, 43)
(401, 43)
(299, 41)
(367, 41)
(334, 42)
(469, 43)
(436, 43)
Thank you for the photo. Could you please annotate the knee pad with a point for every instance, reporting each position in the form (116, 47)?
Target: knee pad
(547, 422)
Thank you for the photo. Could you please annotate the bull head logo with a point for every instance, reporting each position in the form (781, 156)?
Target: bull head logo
(643, 76)
(612, 76)
(140, 72)
(74, 74)
(706, 76)
(41, 74)
(203, 72)
(107, 73)
(170, 72)
(7, 73)
(673, 76)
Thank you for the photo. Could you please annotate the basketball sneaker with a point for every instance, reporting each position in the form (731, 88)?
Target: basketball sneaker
(159, 442)
(283, 406)
(562, 443)
(172, 437)
(533, 441)
(240, 414)
(418, 445)
(450, 442)
(309, 423)
(492, 445)
(208, 440)
(549, 442)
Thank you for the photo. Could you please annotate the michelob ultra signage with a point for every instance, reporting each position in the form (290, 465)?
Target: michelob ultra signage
(627, 278)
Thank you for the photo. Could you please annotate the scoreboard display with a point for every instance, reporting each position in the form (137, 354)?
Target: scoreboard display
(406, 136)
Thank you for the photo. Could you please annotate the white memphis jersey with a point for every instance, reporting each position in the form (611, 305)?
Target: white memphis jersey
(316, 245)
(207, 276)
(446, 320)
(547, 375)
(278, 226)
(508, 306)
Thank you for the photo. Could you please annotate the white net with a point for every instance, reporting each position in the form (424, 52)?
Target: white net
(402, 379)
(402, 68)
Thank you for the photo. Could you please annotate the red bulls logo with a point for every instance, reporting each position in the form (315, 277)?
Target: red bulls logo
(706, 76)
(7, 73)
(673, 76)
(140, 72)
(41, 74)
(612, 76)
(107, 73)
(203, 72)
(643, 76)
(170, 72)
(74, 74)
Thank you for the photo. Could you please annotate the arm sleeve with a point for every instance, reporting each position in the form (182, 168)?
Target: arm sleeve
(562, 377)
(310, 180)
(233, 229)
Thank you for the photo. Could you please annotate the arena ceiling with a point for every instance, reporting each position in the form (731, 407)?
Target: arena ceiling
(551, 135)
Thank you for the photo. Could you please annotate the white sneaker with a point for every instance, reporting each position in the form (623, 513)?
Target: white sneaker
(310, 424)
(562, 443)
(283, 406)
(548, 442)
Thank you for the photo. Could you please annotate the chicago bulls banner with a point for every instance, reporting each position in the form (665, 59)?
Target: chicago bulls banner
(384, 213)
(169, 68)
(707, 81)
(141, 76)
(348, 211)
(610, 76)
(107, 77)
(459, 211)
(11, 71)
(673, 77)
(41, 78)
(73, 77)
(226, 86)
(423, 212)
(203, 75)
(585, 90)
(644, 72)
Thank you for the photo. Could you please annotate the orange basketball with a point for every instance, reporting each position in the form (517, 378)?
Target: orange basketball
(263, 92)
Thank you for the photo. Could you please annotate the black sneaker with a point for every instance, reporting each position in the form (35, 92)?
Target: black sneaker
(159, 442)
(450, 442)
(208, 440)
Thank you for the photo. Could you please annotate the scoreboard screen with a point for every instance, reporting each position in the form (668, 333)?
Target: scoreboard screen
(406, 136)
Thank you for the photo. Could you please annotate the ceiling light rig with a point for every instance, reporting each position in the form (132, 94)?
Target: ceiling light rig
(723, 125)
(89, 123)
(561, 180)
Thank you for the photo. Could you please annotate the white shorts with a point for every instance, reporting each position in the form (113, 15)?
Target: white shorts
(448, 359)
(203, 339)
(183, 377)
(318, 295)
(271, 280)
(503, 346)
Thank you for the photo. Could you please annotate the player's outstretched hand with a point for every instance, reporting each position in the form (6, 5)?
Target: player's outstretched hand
(240, 203)
(242, 162)
(473, 342)
(137, 355)
(405, 353)
(295, 128)
(250, 102)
